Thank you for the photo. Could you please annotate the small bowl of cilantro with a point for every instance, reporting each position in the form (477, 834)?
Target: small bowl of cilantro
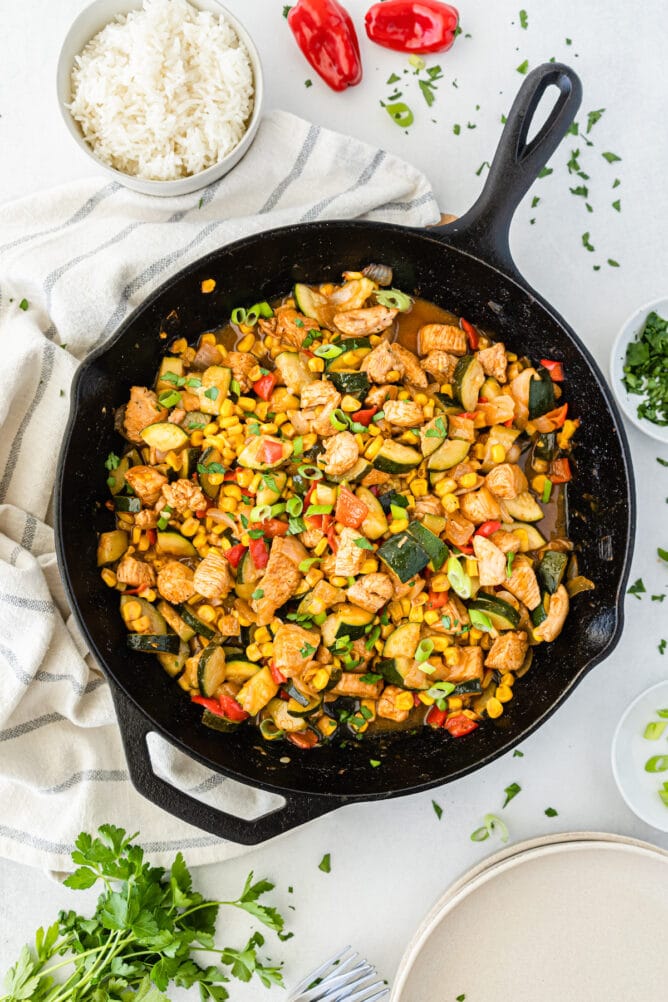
(639, 369)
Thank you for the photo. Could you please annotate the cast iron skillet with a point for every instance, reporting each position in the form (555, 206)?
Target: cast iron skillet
(465, 267)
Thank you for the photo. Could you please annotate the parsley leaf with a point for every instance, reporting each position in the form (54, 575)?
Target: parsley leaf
(550, 812)
(610, 157)
(662, 553)
(593, 117)
(524, 23)
(325, 863)
(307, 650)
(511, 792)
(112, 461)
(637, 588)
(438, 810)
(523, 67)
(586, 242)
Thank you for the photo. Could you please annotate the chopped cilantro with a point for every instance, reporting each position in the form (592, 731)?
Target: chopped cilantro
(112, 461)
(658, 598)
(363, 543)
(550, 812)
(212, 393)
(307, 650)
(593, 117)
(511, 792)
(663, 462)
(438, 810)
(524, 19)
(258, 593)
(23, 305)
(518, 754)
(481, 168)
(523, 67)
(610, 157)
(586, 242)
(645, 369)
(534, 201)
(456, 128)
(662, 646)
(545, 171)
(617, 206)
(325, 863)
(613, 263)
(662, 553)
(308, 83)
(286, 10)
(637, 588)
(374, 763)
(393, 79)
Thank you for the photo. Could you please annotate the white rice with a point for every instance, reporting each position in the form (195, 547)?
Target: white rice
(163, 92)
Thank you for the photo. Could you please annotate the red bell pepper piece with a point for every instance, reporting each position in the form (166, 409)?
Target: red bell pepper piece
(235, 553)
(556, 369)
(459, 725)
(325, 33)
(408, 26)
(259, 553)
(277, 675)
(436, 717)
(200, 513)
(560, 471)
(557, 416)
(270, 452)
(364, 416)
(264, 386)
(271, 527)
(487, 528)
(224, 706)
(437, 599)
(471, 334)
(332, 538)
(152, 536)
(350, 510)
(303, 739)
(467, 414)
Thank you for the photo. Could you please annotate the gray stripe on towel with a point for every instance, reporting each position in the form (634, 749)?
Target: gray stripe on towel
(363, 179)
(80, 214)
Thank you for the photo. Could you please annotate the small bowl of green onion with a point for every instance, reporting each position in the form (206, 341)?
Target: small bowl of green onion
(640, 756)
(639, 369)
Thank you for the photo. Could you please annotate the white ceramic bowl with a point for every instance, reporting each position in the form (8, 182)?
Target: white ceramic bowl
(630, 752)
(89, 22)
(629, 401)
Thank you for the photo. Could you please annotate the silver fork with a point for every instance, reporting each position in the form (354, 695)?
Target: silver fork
(345, 977)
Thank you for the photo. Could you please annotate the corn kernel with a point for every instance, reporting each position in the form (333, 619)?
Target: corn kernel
(320, 679)
(247, 343)
(503, 693)
(431, 616)
(451, 656)
(350, 404)
(246, 404)
(441, 644)
(314, 575)
(421, 399)
(245, 477)
(232, 491)
(141, 625)
(338, 581)
(254, 485)
(427, 700)
(374, 430)
(406, 606)
(446, 486)
(404, 395)
(144, 544)
(508, 678)
(416, 614)
(511, 356)
(206, 613)
(498, 453)
(397, 525)
(131, 610)
(439, 582)
(567, 432)
(471, 567)
(479, 451)
(267, 649)
(455, 703)
(375, 339)
(253, 652)
(370, 705)
(450, 502)
(374, 448)
(392, 376)
(494, 708)
(261, 635)
(245, 539)
(179, 346)
(228, 504)
(475, 634)
(320, 547)
(404, 701)
(446, 388)
(208, 285)
(316, 364)
(538, 483)
(419, 487)
(369, 566)
(108, 577)
(468, 480)
(523, 537)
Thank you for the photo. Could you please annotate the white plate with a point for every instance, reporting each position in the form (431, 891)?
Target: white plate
(630, 751)
(629, 401)
(574, 921)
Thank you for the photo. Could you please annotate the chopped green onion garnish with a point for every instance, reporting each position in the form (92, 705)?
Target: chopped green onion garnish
(480, 621)
(309, 472)
(393, 299)
(163, 521)
(258, 593)
(547, 490)
(655, 729)
(269, 730)
(440, 690)
(490, 824)
(112, 461)
(260, 513)
(398, 511)
(294, 506)
(657, 763)
(339, 420)
(328, 351)
(238, 316)
(297, 446)
(509, 564)
(278, 509)
(424, 650)
(377, 418)
(363, 543)
(306, 565)
(662, 713)
(169, 398)
(372, 638)
(318, 509)
(235, 387)
(458, 578)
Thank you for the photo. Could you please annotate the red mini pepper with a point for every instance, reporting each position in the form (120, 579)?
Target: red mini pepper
(459, 725)
(487, 528)
(235, 553)
(556, 369)
(224, 706)
(471, 333)
(325, 33)
(264, 386)
(259, 553)
(364, 416)
(412, 25)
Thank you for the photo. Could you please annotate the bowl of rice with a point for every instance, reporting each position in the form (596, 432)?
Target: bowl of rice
(164, 95)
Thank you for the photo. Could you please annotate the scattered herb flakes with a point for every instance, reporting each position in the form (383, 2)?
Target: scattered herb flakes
(616, 183)
(393, 79)
(613, 263)
(610, 157)
(663, 462)
(523, 67)
(471, 125)
(456, 128)
(438, 810)
(646, 369)
(511, 792)
(428, 86)
(524, 23)
(588, 207)
(518, 754)
(637, 588)
(24, 304)
(325, 863)
(573, 129)
(490, 824)
(662, 646)
(662, 553)
(586, 242)
(569, 41)
(581, 190)
(658, 598)
(534, 201)
(617, 206)
(481, 168)
(374, 763)
(503, 122)
(201, 202)
(550, 812)
(545, 171)
(308, 83)
(62, 393)
(286, 10)
(461, 998)
(593, 117)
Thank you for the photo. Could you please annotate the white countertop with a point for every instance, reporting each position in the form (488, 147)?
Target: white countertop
(390, 860)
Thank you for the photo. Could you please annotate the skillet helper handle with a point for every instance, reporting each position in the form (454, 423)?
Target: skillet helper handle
(298, 808)
(484, 230)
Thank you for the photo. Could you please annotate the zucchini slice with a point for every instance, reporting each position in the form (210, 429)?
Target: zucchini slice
(404, 555)
(175, 544)
(147, 609)
(545, 446)
(390, 498)
(123, 503)
(211, 669)
(267, 495)
(435, 523)
(208, 458)
(247, 575)
(174, 664)
(472, 687)
(169, 366)
(501, 614)
(240, 670)
(254, 456)
(434, 546)
(154, 643)
(218, 723)
(551, 569)
(350, 296)
(299, 709)
(433, 434)
(394, 670)
(111, 546)
(164, 436)
(452, 452)
(523, 508)
(277, 711)
(294, 371)
(174, 621)
(467, 380)
(539, 614)
(348, 381)
(311, 303)
(345, 621)
(357, 472)
(393, 457)
(375, 524)
(194, 421)
(403, 642)
(541, 393)
(189, 617)
(116, 478)
(215, 388)
(534, 538)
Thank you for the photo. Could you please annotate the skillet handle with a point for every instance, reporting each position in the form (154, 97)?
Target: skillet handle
(483, 231)
(135, 726)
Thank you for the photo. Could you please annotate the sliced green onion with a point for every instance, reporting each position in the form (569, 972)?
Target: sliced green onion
(235, 387)
(320, 618)
(400, 113)
(424, 650)
(440, 690)
(169, 398)
(294, 506)
(269, 730)
(310, 472)
(278, 508)
(655, 729)
(238, 316)
(297, 446)
(260, 513)
(318, 509)
(357, 428)
(480, 621)
(163, 521)
(257, 310)
(339, 420)
(657, 763)
(393, 299)
(490, 824)
(662, 713)
(372, 638)
(509, 564)
(328, 351)
(377, 418)
(306, 565)
(458, 578)
(427, 668)
(417, 61)
(547, 490)
(296, 525)
(664, 796)
(398, 511)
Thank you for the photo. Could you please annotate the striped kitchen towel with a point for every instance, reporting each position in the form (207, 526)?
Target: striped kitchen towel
(73, 263)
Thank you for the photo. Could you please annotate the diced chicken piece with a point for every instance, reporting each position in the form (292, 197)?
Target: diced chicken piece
(281, 577)
(413, 370)
(480, 506)
(494, 361)
(358, 652)
(350, 685)
(428, 505)
(403, 413)
(458, 529)
(377, 395)
(292, 327)
(551, 627)
(182, 495)
(441, 365)
(135, 573)
(508, 651)
(507, 542)
(141, 410)
(146, 482)
(241, 363)
(341, 453)
(206, 355)
(380, 362)
(498, 410)
(213, 578)
(177, 415)
(454, 616)
(349, 556)
(302, 421)
(522, 583)
(468, 666)
(311, 537)
(374, 478)
(442, 337)
(461, 427)
(361, 323)
(294, 647)
(175, 582)
(320, 393)
(491, 562)
(371, 592)
(146, 519)
(325, 595)
(506, 480)
(387, 705)
(408, 589)
(416, 678)
(229, 625)
(519, 390)
(322, 425)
